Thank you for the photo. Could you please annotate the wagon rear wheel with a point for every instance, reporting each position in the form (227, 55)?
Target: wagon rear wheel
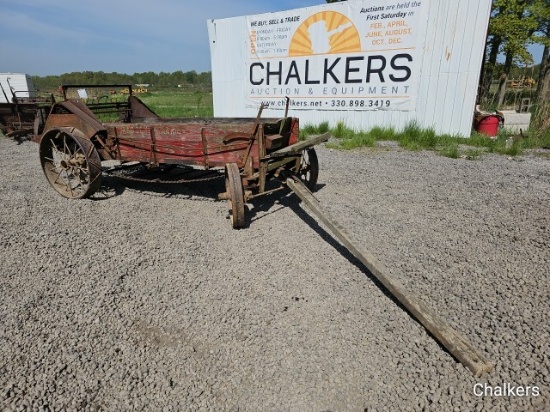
(234, 189)
(71, 164)
(309, 169)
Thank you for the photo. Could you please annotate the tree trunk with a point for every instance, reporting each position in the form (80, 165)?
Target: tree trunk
(541, 116)
(504, 79)
(487, 79)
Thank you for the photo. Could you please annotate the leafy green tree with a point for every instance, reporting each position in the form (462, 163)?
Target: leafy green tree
(512, 25)
(541, 116)
(191, 77)
(492, 49)
(205, 79)
(178, 77)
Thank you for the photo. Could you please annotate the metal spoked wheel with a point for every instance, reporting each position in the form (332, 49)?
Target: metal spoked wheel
(71, 164)
(309, 169)
(235, 199)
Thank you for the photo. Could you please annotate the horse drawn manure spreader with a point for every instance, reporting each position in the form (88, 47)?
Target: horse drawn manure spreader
(74, 142)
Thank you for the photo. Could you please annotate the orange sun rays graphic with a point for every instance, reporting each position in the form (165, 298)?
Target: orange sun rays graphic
(325, 32)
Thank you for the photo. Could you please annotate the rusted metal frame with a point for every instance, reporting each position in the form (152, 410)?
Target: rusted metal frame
(65, 87)
(14, 99)
(153, 157)
(90, 151)
(204, 148)
(109, 107)
(261, 155)
(253, 136)
(287, 104)
(43, 119)
(283, 120)
(20, 125)
(108, 151)
(84, 119)
(119, 155)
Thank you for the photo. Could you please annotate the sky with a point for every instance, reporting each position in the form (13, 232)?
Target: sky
(52, 37)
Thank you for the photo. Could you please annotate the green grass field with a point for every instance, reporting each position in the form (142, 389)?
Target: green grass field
(166, 103)
(190, 103)
(413, 137)
(179, 103)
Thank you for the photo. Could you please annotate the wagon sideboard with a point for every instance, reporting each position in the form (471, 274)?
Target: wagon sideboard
(198, 142)
(141, 135)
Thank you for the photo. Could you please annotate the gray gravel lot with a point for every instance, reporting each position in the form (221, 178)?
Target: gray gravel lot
(144, 298)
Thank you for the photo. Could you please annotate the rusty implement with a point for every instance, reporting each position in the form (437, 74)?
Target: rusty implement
(254, 154)
(455, 343)
(23, 117)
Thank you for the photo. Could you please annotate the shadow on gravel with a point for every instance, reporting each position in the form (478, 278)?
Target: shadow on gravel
(264, 205)
(18, 139)
(109, 188)
(198, 185)
(293, 202)
(163, 183)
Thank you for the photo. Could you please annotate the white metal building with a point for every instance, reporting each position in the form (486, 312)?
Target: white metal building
(364, 62)
(19, 84)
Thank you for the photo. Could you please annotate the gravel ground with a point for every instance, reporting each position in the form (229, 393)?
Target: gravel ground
(143, 298)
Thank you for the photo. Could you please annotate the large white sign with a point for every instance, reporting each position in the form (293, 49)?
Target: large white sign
(364, 56)
(364, 63)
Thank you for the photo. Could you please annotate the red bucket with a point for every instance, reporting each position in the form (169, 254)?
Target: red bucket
(488, 125)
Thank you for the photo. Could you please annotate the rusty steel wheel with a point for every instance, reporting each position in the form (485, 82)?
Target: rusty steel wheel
(235, 198)
(71, 163)
(309, 169)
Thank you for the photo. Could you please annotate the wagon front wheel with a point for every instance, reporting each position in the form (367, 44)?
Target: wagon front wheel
(235, 195)
(71, 164)
(309, 168)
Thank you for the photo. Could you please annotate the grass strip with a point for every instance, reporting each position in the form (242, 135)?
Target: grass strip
(414, 138)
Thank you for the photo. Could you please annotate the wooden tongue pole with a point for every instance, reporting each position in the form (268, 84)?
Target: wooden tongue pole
(455, 343)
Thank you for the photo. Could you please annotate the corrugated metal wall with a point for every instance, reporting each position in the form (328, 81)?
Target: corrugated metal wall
(453, 43)
(21, 84)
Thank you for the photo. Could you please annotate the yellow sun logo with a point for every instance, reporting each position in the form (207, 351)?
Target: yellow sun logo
(325, 32)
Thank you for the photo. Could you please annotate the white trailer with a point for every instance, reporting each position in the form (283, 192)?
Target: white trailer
(18, 84)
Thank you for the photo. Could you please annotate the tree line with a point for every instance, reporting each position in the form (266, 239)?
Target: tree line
(160, 80)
